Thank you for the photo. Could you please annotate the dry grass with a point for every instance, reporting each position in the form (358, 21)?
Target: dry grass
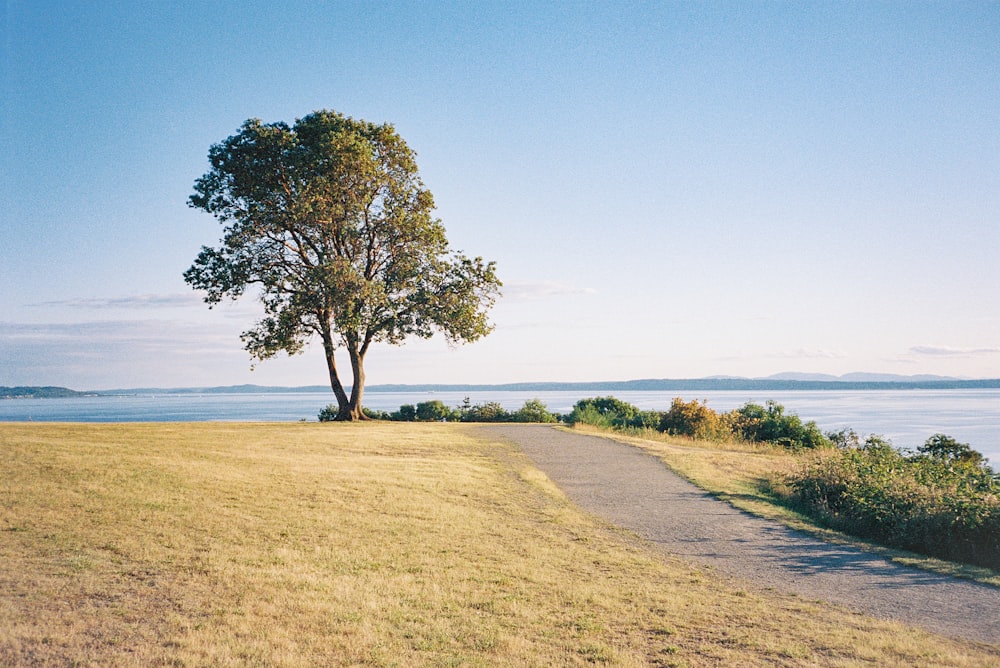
(369, 545)
(744, 475)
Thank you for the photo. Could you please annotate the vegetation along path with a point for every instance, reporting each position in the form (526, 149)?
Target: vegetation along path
(636, 491)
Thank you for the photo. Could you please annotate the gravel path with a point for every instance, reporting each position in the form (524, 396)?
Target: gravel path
(634, 490)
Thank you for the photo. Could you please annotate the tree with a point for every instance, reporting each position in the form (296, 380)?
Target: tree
(329, 222)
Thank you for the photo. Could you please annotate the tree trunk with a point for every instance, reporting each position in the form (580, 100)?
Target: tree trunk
(343, 403)
(358, 389)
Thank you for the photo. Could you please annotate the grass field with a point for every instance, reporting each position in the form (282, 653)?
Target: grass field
(370, 545)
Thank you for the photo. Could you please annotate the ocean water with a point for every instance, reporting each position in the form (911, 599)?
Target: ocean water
(906, 417)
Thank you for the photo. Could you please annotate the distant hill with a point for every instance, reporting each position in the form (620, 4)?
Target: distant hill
(779, 382)
(39, 393)
(222, 389)
(703, 385)
(861, 377)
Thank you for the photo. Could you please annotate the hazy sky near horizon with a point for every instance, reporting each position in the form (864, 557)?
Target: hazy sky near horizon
(676, 189)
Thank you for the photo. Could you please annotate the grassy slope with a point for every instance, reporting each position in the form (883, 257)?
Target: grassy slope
(375, 544)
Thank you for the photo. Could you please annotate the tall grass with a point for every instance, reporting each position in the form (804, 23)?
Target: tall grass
(369, 545)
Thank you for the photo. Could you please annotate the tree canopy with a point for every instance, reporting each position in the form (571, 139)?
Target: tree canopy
(330, 223)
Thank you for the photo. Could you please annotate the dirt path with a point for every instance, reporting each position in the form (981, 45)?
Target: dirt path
(636, 491)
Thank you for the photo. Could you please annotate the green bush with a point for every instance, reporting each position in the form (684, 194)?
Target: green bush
(406, 413)
(942, 501)
(604, 412)
(534, 410)
(646, 420)
(329, 414)
(945, 449)
(491, 411)
(760, 424)
(433, 411)
(586, 414)
(845, 438)
(373, 414)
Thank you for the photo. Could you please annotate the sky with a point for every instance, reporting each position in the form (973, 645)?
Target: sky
(669, 189)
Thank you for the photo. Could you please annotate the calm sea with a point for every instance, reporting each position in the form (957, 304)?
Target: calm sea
(906, 417)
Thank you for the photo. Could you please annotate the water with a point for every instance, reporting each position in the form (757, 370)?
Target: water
(906, 417)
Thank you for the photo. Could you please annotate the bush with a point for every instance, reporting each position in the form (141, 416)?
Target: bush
(534, 410)
(433, 411)
(489, 412)
(945, 449)
(376, 414)
(406, 413)
(696, 420)
(646, 420)
(845, 438)
(759, 424)
(328, 414)
(946, 506)
(604, 412)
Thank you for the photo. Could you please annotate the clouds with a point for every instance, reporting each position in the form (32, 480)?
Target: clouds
(109, 353)
(523, 291)
(810, 353)
(147, 301)
(946, 351)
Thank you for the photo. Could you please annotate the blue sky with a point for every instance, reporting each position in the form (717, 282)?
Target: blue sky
(669, 189)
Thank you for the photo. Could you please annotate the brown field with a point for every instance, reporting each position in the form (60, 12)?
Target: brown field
(369, 545)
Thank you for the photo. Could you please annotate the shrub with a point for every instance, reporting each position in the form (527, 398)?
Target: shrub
(375, 414)
(646, 420)
(756, 424)
(433, 411)
(534, 410)
(406, 413)
(946, 506)
(489, 412)
(947, 450)
(329, 414)
(696, 420)
(586, 414)
(604, 412)
(845, 438)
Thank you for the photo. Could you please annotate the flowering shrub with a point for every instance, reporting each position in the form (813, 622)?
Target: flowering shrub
(696, 420)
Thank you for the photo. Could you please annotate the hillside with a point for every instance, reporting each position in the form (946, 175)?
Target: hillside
(850, 382)
(47, 392)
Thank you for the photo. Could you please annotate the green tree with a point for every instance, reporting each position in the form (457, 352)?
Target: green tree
(329, 223)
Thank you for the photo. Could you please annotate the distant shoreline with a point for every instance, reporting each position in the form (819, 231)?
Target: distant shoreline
(646, 385)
